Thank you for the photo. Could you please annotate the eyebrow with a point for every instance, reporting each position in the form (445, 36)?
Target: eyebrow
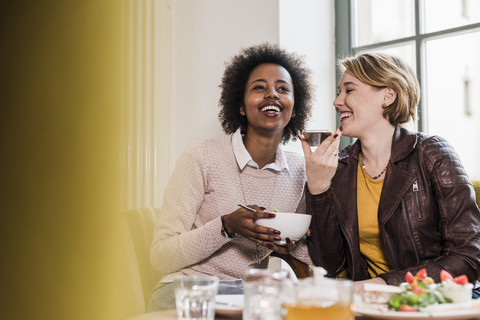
(348, 83)
(276, 81)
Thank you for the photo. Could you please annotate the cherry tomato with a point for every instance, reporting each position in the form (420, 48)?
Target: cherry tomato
(422, 273)
(444, 275)
(462, 280)
(417, 290)
(406, 307)
(409, 277)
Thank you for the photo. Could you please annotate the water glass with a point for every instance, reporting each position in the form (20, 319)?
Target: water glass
(195, 297)
(264, 290)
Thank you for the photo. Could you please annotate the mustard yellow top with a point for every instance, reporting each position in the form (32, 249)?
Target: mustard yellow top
(368, 198)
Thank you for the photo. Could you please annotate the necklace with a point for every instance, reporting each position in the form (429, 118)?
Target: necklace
(374, 177)
(257, 254)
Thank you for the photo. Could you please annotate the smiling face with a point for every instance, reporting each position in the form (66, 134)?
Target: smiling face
(268, 99)
(359, 106)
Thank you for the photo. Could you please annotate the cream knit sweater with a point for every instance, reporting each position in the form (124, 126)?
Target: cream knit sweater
(206, 184)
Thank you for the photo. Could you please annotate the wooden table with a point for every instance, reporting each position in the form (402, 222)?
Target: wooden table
(172, 315)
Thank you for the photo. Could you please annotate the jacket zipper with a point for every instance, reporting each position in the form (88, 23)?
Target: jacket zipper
(410, 231)
(415, 191)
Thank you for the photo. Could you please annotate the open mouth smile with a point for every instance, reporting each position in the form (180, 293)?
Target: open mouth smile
(271, 108)
(344, 115)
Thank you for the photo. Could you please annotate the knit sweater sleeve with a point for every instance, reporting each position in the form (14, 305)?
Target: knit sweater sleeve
(177, 242)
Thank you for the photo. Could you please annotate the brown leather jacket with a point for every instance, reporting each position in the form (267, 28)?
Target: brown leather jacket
(427, 213)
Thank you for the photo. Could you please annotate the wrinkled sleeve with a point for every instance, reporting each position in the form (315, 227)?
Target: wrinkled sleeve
(176, 243)
(326, 244)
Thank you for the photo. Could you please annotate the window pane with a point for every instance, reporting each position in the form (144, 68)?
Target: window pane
(444, 14)
(453, 98)
(380, 20)
(406, 52)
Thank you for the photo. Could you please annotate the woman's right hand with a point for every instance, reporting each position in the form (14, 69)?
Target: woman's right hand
(320, 165)
(242, 221)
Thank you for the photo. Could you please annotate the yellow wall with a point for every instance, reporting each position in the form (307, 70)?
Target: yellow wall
(62, 65)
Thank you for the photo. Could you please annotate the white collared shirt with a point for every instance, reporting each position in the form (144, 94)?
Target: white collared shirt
(244, 158)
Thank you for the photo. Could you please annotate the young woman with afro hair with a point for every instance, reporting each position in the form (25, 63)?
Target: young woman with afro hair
(266, 100)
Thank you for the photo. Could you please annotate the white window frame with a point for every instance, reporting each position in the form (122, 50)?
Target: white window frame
(345, 30)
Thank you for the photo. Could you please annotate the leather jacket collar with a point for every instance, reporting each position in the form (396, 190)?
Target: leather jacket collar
(403, 143)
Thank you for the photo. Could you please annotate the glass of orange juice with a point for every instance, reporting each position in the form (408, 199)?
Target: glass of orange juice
(321, 299)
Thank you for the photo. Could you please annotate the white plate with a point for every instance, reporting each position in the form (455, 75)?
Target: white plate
(230, 305)
(438, 314)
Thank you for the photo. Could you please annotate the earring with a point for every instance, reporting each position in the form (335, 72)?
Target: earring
(242, 113)
(384, 105)
(293, 114)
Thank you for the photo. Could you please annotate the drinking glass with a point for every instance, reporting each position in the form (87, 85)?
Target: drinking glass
(315, 137)
(264, 290)
(321, 299)
(195, 297)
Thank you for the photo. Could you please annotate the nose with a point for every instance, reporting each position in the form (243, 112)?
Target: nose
(338, 101)
(271, 94)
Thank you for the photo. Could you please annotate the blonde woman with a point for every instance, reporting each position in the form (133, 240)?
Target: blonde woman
(395, 200)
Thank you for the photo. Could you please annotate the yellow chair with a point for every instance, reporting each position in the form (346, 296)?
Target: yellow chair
(140, 224)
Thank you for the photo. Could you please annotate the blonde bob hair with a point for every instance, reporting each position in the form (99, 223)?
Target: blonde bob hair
(382, 70)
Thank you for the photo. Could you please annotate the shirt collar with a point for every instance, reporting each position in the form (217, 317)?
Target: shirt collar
(244, 158)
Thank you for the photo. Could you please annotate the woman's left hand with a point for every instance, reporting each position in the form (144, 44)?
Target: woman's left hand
(286, 249)
(290, 246)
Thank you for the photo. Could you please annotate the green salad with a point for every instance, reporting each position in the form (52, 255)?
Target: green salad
(418, 292)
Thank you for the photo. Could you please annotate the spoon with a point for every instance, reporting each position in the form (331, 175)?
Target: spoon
(246, 207)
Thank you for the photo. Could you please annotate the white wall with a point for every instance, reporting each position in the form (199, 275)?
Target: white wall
(181, 60)
(308, 27)
(205, 35)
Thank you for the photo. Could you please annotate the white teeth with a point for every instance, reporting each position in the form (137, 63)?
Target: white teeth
(345, 115)
(270, 108)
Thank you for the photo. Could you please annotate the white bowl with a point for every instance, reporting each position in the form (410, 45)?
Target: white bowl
(291, 225)
(457, 292)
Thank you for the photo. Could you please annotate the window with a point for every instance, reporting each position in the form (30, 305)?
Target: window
(441, 41)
